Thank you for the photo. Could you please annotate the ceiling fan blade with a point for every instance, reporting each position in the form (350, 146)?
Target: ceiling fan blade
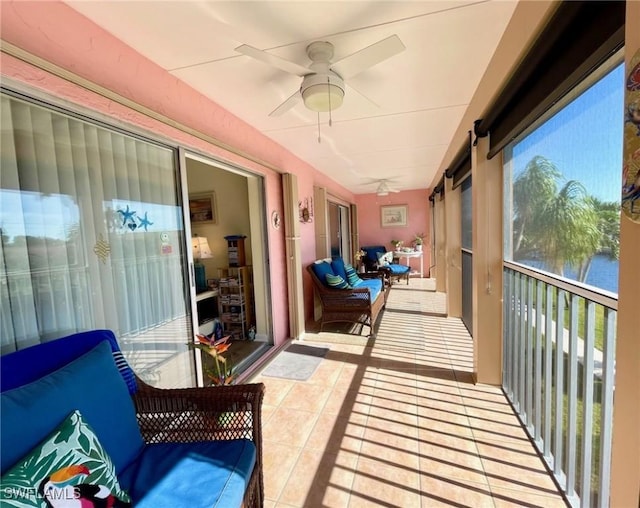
(362, 95)
(367, 57)
(274, 61)
(287, 105)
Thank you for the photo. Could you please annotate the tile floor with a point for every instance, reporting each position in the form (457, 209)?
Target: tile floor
(397, 422)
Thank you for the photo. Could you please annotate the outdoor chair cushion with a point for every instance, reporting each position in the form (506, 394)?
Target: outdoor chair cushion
(92, 385)
(208, 473)
(321, 269)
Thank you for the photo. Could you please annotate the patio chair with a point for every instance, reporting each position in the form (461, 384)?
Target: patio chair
(377, 258)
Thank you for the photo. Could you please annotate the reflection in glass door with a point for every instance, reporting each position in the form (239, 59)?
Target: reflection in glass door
(339, 231)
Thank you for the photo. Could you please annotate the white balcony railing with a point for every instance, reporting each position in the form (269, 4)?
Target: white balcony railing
(558, 372)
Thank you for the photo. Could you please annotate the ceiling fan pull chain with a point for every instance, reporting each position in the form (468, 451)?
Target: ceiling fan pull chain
(319, 127)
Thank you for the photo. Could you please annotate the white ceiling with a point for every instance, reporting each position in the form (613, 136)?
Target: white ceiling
(421, 93)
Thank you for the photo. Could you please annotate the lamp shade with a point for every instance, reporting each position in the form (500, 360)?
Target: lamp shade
(322, 92)
(200, 247)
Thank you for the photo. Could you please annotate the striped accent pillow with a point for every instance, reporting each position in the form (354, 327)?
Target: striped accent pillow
(335, 281)
(352, 276)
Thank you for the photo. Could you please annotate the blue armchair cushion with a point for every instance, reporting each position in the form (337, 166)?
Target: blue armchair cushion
(210, 473)
(42, 359)
(321, 269)
(397, 269)
(91, 384)
(371, 253)
(71, 461)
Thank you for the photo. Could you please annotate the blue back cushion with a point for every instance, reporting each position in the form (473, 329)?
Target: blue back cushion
(321, 269)
(29, 364)
(90, 384)
(338, 268)
(372, 252)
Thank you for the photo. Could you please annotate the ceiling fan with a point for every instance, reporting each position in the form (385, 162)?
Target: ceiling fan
(383, 187)
(323, 82)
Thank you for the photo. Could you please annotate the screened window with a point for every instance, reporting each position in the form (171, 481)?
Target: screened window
(466, 215)
(92, 237)
(563, 188)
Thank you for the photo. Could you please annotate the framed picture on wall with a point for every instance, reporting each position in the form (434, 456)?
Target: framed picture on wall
(393, 216)
(202, 208)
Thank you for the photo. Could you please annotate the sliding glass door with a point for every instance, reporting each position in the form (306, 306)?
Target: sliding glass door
(92, 236)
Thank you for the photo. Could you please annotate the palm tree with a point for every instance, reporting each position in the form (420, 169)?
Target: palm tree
(559, 227)
(608, 213)
(568, 229)
(533, 190)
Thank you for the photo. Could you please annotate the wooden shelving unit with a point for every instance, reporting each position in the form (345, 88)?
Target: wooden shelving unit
(235, 302)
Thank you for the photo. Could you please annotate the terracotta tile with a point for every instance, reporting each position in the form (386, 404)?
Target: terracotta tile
(375, 484)
(403, 411)
(267, 411)
(276, 389)
(397, 445)
(511, 498)
(515, 466)
(289, 426)
(348, 404)
(441, 491)
(450, 456)
(306, 397)
(278, 461)
(333, 434)
(326, 374)
(320, 479)
(356, 379)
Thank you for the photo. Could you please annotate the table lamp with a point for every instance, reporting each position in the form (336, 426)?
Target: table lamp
(201, 250)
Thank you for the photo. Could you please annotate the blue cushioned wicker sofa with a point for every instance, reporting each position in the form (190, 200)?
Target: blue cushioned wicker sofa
(357, 302)
(73, 410)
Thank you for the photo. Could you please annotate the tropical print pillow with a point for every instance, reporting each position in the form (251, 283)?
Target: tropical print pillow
(70, 468)
(385, 258)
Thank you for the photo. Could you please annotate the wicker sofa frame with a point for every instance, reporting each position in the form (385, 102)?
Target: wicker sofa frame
(205, 414)
(350, 305)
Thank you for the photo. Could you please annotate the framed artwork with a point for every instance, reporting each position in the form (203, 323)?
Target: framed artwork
(393, 216)
(202, 208)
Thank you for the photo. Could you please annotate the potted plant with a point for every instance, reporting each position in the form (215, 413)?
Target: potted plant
(418, 241)
(397, 244)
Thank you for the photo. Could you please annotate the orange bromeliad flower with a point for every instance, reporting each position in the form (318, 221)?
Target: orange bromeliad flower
(222, 374)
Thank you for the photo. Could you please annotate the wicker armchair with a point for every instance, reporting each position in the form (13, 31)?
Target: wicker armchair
(205, 414)
(350, 305)
(181, 415)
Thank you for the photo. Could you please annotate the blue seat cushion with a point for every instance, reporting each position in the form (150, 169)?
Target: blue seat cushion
(90, 384)
(201, 474)
(398, 269)
(374, 286)
(321, 269)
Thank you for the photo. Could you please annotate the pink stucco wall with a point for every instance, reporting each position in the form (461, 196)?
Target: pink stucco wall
(418, 221)
(60, 35)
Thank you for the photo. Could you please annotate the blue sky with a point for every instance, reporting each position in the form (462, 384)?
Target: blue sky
(584, 140)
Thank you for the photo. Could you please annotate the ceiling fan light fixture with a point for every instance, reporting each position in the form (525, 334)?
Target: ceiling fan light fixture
(322, 93)
(383, 189)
